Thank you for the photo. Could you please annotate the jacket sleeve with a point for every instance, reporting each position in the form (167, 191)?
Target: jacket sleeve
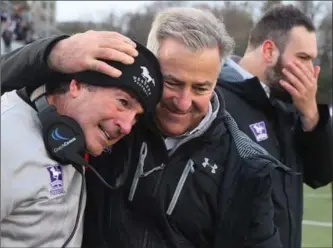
(27, 66)
(262, 232)
(247, 216)
(315, 149)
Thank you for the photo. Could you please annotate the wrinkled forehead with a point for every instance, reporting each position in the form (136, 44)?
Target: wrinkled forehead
(300, 40)
(126, 93)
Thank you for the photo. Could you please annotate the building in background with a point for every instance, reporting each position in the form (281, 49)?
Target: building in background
(5, 6)
(25, 21)
(43, 15)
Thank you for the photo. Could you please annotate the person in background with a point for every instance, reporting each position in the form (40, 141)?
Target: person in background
(7, 31)
(271, 93)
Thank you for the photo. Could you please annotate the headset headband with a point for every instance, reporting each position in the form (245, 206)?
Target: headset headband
(38, 97)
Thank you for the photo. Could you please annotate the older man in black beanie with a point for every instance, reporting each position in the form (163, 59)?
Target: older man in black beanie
(143, 78)
(41, 201)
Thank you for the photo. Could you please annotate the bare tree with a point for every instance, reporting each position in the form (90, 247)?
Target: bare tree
(325, 40)
(238, 21)
(137, 25)
(75, 27)
(314, 9)
(325, 57)
(266, 5)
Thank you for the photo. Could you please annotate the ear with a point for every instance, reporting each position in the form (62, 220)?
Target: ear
(74, 88)
(270, 52)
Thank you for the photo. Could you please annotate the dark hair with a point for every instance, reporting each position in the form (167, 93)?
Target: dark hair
(55, 88)
(62, 87)
(276, 24)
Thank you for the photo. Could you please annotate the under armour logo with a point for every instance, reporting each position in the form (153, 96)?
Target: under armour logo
(213, 167)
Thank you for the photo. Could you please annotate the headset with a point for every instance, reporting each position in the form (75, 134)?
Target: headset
(64, 141)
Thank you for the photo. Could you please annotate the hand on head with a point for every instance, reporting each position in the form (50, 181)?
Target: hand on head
(84, 51)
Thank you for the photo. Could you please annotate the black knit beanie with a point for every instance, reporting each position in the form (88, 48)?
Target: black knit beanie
(143, 78)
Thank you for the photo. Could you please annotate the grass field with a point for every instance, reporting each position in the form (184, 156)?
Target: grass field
(317, 220)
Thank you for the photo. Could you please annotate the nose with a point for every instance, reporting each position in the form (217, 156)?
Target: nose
(310, 65)
(183, 100)
(126, 123)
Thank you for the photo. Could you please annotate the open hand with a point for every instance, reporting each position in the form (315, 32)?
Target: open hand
(83, 51)
(301, 82)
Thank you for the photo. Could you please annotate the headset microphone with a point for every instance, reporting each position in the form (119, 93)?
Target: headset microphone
(78, 160)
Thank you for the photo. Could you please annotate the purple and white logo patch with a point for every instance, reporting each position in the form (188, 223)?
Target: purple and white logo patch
(57, 184)
(259, 131)
(108, 150)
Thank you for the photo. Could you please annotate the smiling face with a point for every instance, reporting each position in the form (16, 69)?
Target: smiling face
(189, 81)
(105, 114)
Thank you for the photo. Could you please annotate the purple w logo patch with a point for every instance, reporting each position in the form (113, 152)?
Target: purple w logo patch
(259, 131)
(56, 178)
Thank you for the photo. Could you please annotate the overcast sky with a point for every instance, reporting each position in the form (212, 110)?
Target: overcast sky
(97, 10)
(92, 10)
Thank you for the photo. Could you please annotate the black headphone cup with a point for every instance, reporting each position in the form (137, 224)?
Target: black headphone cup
(63, 137)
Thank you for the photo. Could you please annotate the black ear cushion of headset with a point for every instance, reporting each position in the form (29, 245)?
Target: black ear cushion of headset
(63, 137)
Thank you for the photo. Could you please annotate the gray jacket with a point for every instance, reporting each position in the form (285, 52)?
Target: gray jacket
(39, 197)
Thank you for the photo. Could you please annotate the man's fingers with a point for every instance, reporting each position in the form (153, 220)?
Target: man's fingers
(84, 51)
(113, 55)
(289, 88)
(102, 67)
(305, 73)
(294, 80)
(119, 45)
(110, 34)
(299, 74)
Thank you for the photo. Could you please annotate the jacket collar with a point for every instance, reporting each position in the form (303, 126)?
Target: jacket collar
(251, 91)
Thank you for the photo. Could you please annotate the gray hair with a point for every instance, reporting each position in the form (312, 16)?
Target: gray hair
(195, 28)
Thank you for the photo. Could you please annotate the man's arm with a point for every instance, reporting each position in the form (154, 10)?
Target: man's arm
(47, 59)
(262, 232)
(247, 215)
(314, 131)
(7, 196)
(27, 65)
(315, 149)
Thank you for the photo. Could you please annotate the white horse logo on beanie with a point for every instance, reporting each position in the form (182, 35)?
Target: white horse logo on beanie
(146, 75)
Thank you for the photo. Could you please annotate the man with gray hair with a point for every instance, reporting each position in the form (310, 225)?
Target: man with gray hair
(187, 176)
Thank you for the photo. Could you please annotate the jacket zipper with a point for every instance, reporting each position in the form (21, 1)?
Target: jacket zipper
(188, 168)
(173, 150)
(145, 238)
(159, 180)
(289, 212)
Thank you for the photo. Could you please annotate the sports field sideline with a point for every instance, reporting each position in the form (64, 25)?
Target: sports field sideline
(317, 221)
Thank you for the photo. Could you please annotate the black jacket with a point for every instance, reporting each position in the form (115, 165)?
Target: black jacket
(213, 191)
(27, 65)
(229, 208)
(309, 153)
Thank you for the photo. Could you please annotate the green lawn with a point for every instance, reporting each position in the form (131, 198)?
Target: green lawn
(317, 224)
